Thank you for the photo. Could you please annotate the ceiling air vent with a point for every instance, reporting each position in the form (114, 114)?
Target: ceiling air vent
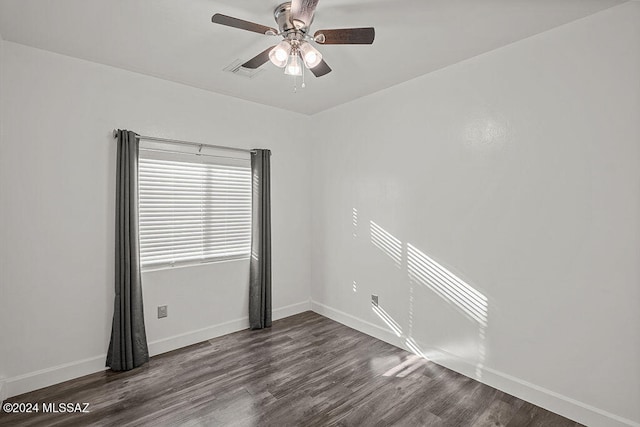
(236, 68)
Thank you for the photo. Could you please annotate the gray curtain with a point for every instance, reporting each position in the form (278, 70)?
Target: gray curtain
(260, 273)
(128, 346)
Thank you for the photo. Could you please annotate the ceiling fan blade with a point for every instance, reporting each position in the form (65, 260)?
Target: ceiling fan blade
(229, 21)
(346, 36)
(321, 69)
(303, 10)
(258, 60)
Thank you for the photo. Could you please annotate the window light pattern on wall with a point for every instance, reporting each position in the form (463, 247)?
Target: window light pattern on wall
(192, 209)
(386, 242)
(447, 285)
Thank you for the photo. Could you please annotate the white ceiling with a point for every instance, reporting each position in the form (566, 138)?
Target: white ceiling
(175, 39)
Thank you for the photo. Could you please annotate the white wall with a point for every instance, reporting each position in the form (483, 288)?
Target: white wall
(508, 190)
(57, 166)
(3, 301)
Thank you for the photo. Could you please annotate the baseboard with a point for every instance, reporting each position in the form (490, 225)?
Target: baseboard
(354, 322)
(290, 310)
(3, 390)
(54, 375)
(193, 337)
(540, 396)
(31, 381)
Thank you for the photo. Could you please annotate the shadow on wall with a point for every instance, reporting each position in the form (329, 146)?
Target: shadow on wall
(422, 270)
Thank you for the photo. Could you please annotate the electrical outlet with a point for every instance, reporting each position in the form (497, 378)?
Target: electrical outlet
(162, 311)
(374, 300)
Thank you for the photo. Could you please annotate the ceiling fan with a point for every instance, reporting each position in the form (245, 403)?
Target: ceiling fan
(294, 20)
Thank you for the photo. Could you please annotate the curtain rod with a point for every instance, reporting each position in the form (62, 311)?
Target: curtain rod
(177, 141)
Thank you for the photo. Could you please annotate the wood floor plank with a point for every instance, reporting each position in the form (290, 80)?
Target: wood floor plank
(306, 370)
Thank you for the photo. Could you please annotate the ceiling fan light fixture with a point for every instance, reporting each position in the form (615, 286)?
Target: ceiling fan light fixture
(294, 19)
(311, 56)
(293, 68)
(280, 54)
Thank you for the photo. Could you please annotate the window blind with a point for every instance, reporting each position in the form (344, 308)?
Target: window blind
(193, 208)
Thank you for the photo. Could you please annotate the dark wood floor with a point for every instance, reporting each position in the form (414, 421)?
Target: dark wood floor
(306, 370)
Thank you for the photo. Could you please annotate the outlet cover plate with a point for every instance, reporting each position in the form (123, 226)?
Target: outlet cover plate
(162, 311)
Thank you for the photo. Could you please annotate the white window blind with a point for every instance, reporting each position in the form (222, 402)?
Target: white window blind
(193, 208)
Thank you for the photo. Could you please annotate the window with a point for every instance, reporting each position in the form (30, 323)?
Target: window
(193, 208)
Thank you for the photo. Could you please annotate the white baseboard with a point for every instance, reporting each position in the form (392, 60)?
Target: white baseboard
(193, 337)
(550, 400)
(31, 381)
(53, 375)
(290, 310)
(354, 322)
(3, 390)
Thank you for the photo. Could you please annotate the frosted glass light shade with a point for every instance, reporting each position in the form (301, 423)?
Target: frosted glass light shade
(310, 55)
(294, 67)
(280, 54)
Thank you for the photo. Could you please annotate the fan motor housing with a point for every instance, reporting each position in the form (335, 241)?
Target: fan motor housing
(285, 21)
